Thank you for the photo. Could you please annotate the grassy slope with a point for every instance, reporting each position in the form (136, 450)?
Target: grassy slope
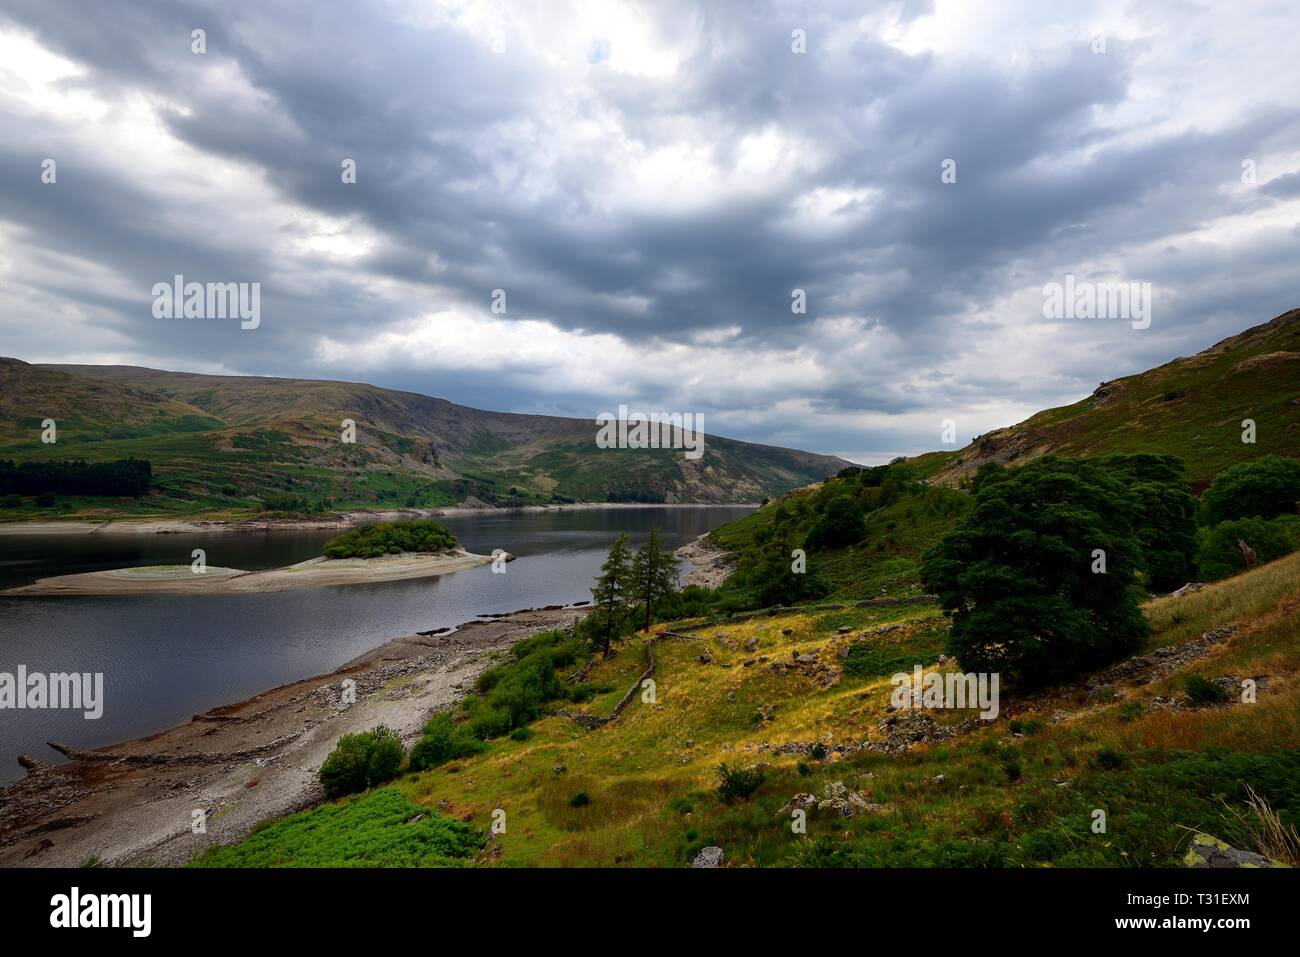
(219, 444)
(886, 562)
(1021, 794)
(1191, 407)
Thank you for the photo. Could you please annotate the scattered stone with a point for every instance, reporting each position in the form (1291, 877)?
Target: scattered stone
(705, 658)
(800, 802)
(838, 799)
(1164, 661)
(751, 644)
(937, 779)
(1207, 851)
(711, 856)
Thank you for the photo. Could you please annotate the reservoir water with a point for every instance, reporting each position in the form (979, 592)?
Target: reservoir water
(167, 658)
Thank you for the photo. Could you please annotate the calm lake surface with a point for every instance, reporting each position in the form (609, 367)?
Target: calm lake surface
(167, 658)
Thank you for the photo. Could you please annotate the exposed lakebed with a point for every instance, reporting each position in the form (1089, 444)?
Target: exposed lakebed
(166, 658)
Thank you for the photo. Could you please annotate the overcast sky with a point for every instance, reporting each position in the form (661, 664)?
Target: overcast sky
(649, 183)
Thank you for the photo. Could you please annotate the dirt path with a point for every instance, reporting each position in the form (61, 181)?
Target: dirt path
(243, 763)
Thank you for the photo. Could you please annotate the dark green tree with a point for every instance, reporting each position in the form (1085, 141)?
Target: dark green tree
(1264, 488)
(840, 524)
(613, 591)
(987, 472)
(1164, 515)
(1017, 576)
(1220, 555)
(774, 580)
(654, 575)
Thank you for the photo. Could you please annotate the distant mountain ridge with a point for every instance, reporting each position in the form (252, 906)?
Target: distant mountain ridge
(253, 436)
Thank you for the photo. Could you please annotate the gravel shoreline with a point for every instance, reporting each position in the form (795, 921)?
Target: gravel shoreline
(133, 803)
(712, 564)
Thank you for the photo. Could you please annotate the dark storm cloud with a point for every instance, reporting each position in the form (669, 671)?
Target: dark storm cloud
(473, 174)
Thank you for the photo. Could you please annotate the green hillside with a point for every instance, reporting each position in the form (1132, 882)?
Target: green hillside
(787, 708)
(231, 445)
(1191, 407)
(889, 789)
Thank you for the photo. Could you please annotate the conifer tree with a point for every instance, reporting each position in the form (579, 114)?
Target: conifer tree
(611, 593)
(654, 575)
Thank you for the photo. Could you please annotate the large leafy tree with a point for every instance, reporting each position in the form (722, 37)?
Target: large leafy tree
(653, 576)
(840, 524)
(1264, 488)
(1164, 515)
(774, 580)
(612, 591)
(1019, 574)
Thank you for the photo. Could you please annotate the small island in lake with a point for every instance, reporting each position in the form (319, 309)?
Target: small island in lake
(385, 551)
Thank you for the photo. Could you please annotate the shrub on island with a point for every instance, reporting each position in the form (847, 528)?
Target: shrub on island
(390, 538)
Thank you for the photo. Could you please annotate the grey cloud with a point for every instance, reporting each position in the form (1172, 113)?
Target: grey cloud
(448, 136)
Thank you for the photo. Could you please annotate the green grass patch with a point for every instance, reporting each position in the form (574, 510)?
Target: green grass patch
(379, 829)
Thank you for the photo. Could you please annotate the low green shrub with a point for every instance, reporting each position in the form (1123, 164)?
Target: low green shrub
(512, 694)
(1202, 691)
(1110, 759)
(736, 783)
(1131, 710)
(443, 741)
(360, 761)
